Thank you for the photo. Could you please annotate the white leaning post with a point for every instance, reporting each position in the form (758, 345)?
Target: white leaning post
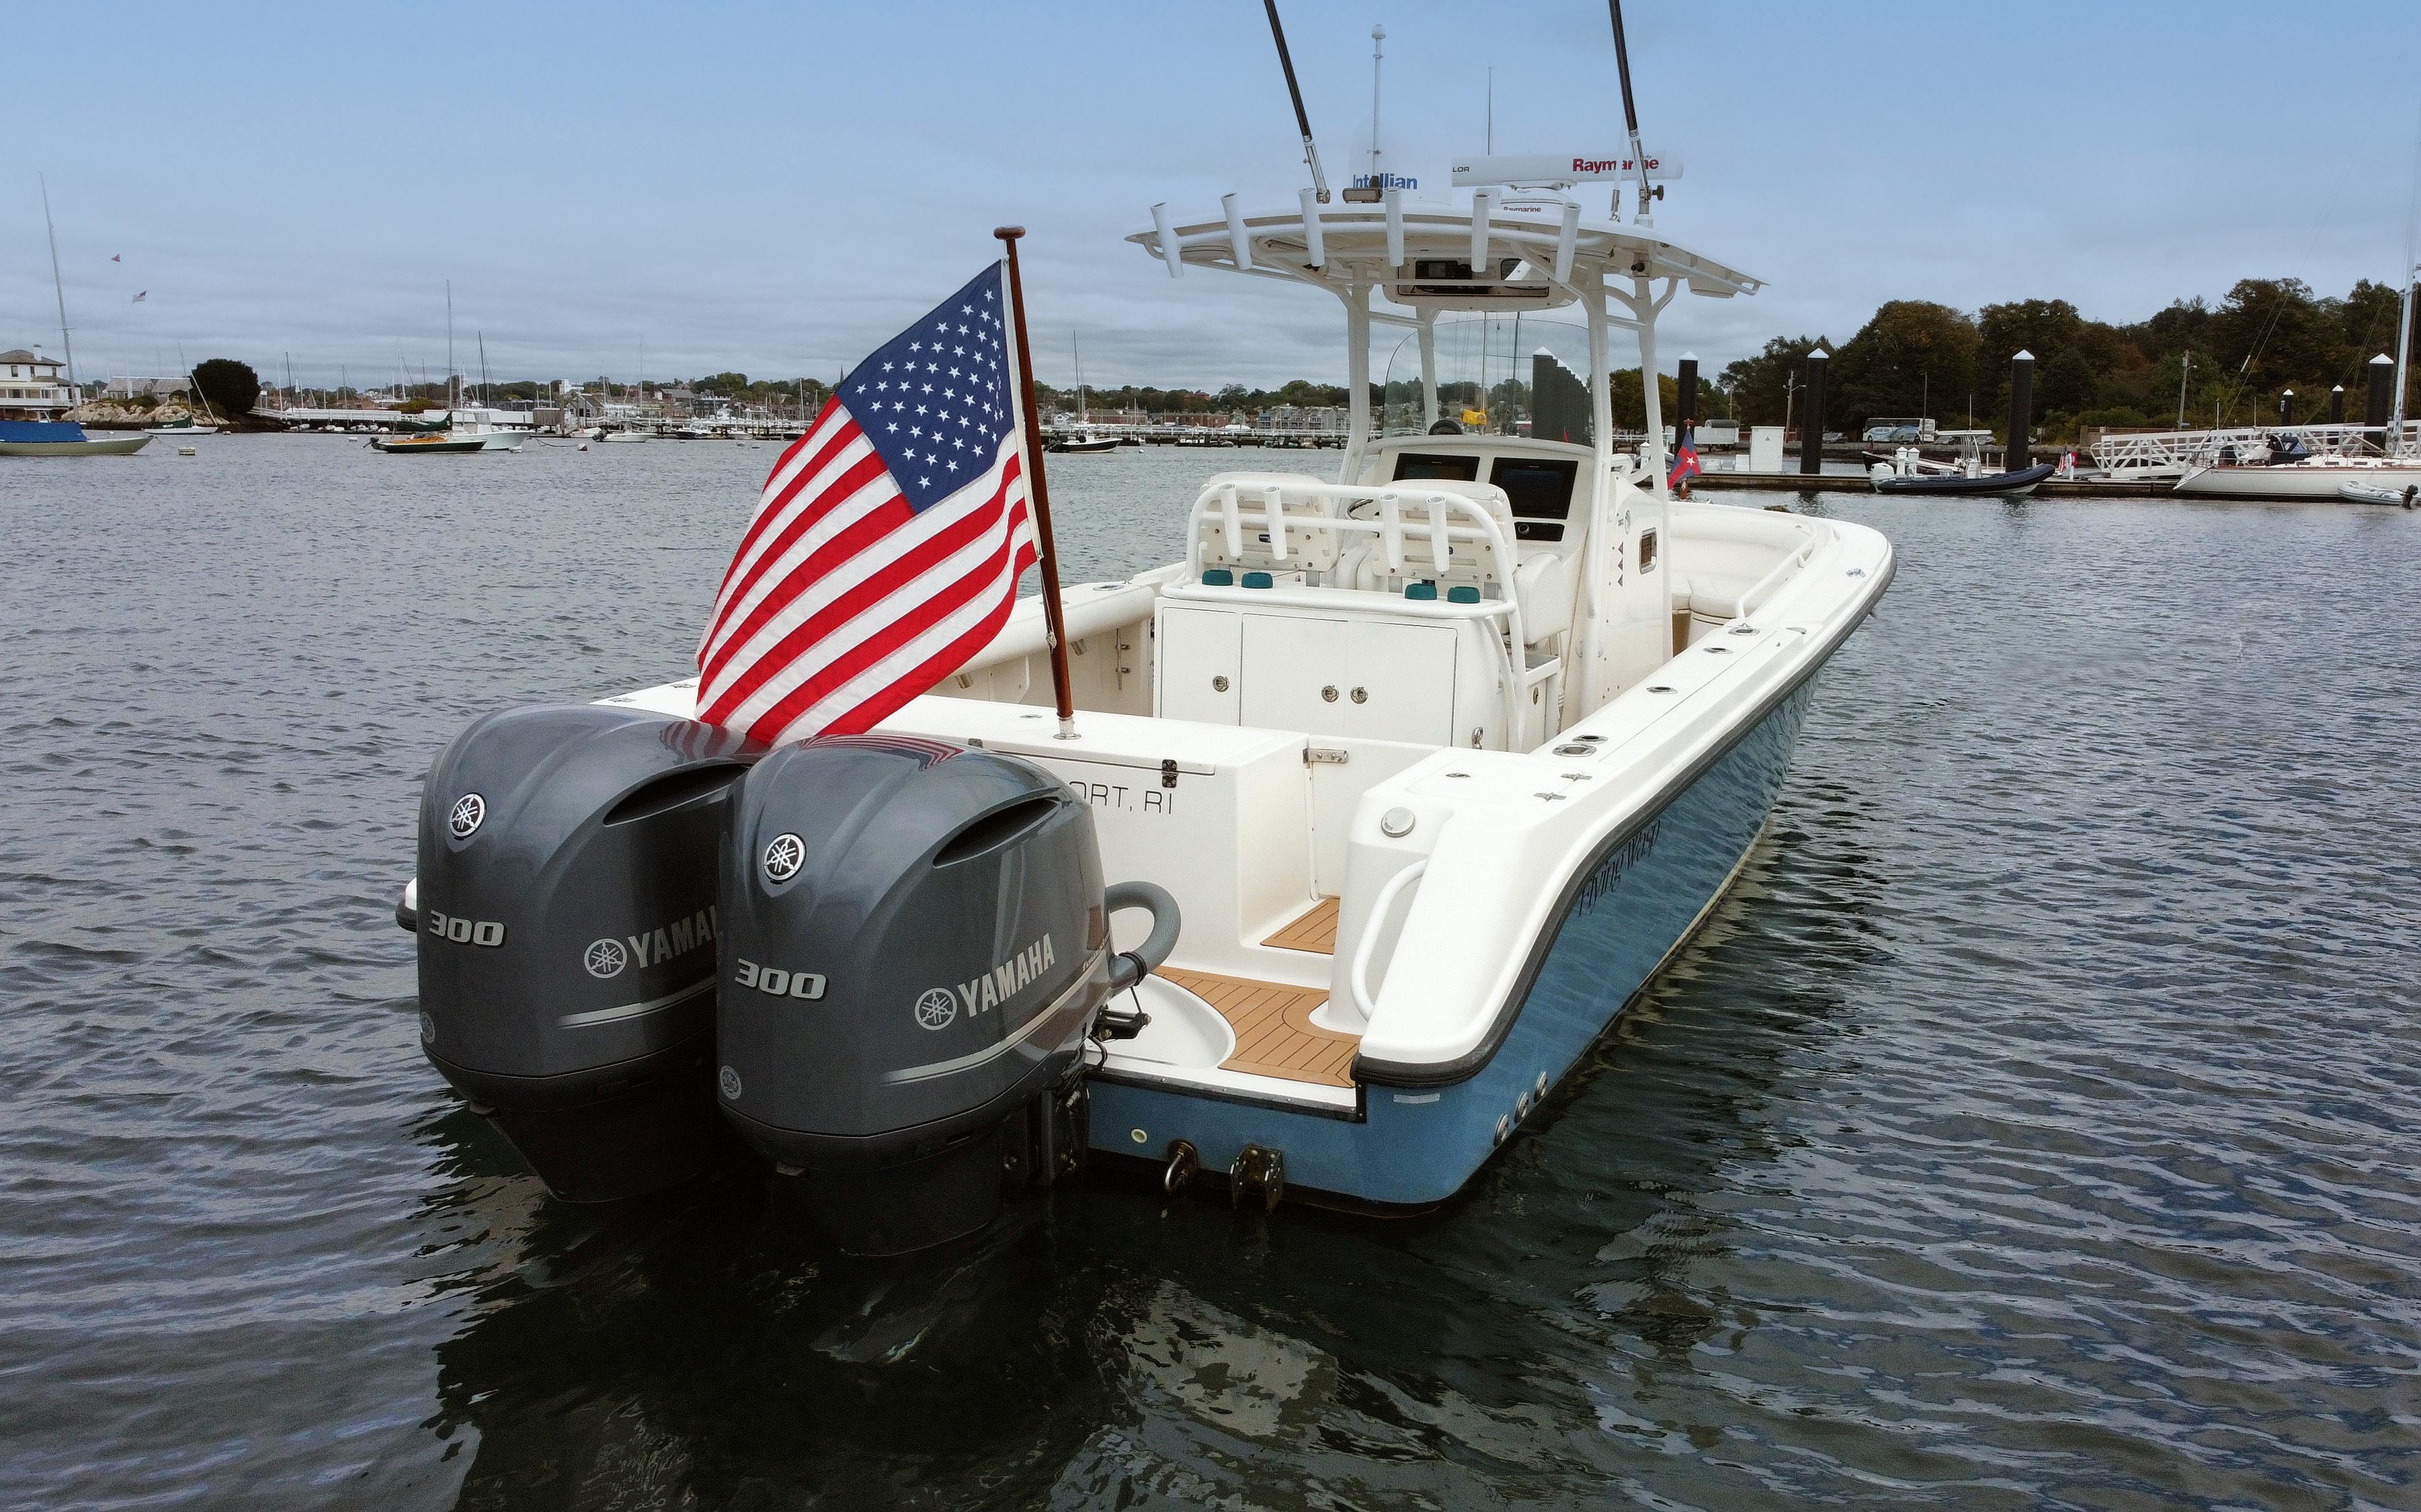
(1222, 500)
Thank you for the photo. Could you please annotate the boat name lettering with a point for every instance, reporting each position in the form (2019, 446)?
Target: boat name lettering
(1010, 977)
(462, 932)
(1124, 799)
(775, 982)
(1610, 871)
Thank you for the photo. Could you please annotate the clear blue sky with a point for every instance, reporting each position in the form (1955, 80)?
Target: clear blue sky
(777, 189)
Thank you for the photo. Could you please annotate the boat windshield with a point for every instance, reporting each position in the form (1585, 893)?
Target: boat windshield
(1502, 375)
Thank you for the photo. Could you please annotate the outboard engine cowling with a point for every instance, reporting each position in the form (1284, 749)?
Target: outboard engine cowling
(914, 945)
(567, 922)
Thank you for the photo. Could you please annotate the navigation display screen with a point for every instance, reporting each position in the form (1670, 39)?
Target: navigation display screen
(1430, 464)
(1538, 488)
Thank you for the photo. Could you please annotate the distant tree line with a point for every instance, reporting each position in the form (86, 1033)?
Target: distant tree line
(1912, 357)
(1233, 399)
(1918, 358)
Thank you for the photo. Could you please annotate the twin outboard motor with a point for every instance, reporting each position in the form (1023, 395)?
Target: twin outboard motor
(567, 914)
(915, 949)
(877, 958)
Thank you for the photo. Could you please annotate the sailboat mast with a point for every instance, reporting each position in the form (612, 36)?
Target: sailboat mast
(2404, 308)
(59, 288)
(449, 344)
(2403, 352)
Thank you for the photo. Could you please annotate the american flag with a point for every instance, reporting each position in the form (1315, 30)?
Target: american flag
(886, 546)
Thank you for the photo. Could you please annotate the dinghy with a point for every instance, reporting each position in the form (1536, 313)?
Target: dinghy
(2408, 495)
(1907, 471)
(1416, 774)
(2007, 485)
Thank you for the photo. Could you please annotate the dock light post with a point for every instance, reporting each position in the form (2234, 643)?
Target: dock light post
(2374, 404)
(2286, 407)
(2018, 455)
(2336, 405)
(1811, 423)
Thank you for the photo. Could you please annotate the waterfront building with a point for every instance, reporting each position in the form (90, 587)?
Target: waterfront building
(153, 388)
(31, 388)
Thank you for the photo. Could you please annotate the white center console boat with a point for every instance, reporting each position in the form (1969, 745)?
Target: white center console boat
(1439, 759)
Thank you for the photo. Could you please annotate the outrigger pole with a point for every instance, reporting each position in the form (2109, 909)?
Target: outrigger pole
(1630, 112)
(1302, 122)
(1052, 612)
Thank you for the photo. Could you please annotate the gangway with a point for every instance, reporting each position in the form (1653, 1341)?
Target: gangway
(2172, 453)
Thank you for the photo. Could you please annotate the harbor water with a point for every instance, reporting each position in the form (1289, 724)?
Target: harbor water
(2034, 1126)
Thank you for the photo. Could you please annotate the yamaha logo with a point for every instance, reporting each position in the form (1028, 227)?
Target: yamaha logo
(605, 957)
(784, 857)
(731, 1080)
(936, 1008)
(469, 810)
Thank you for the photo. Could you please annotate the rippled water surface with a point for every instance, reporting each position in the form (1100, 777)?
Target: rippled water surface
(2034, 1126)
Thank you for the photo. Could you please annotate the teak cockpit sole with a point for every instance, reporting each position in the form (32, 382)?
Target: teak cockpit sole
(1313, 931)
(1275, 1036)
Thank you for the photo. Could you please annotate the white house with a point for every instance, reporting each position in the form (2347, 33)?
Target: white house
(30, 387)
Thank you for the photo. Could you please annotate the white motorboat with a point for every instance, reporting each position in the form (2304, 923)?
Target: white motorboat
(494, 429)
(183, 427)
(621, 437)
(1438, 761)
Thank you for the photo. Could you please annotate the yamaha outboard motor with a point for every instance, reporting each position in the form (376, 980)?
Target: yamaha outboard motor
(566, 909)
(915, 947)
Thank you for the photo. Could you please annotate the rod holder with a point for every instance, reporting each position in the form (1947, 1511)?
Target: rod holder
(1169, 251)
(1240, 244)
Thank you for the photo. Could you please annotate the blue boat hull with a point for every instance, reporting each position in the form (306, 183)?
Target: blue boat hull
(1417, 1146)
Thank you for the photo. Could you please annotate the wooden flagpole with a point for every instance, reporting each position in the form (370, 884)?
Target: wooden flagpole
(1040, 493)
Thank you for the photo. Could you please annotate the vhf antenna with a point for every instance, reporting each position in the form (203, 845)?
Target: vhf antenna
(1630, 118)
(1310, 152)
